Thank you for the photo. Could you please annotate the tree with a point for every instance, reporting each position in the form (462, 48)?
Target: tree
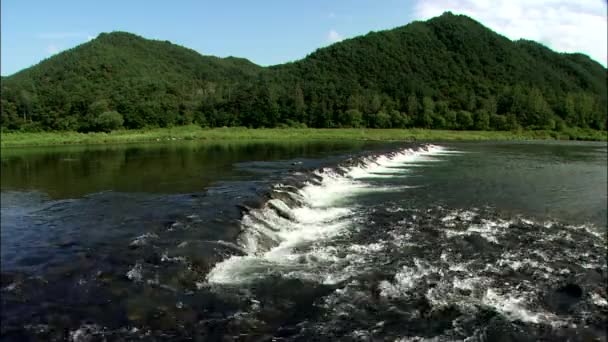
(100, 106)
(299, 104)
(398, 119)
(412, 105)
(490, 105)
(352, 118)
(375, 104)
(538, 112)
(512, 124)
(498, 122)
(10, 118)
(569, 109)
(381, 120)
(451, 120)
(109, 121)
(481, 120)
(68, 123)
(354, 102)
(429, 70)
(428, 110)
(584, 109)
(26, 104)
(465, 120)
(472, 102)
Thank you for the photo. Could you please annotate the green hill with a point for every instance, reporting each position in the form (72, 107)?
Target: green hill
(448, 72)
(149, 82)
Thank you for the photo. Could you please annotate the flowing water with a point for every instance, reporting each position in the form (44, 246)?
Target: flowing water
(300, 242)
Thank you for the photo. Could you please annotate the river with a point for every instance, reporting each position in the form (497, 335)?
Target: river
(309, 241)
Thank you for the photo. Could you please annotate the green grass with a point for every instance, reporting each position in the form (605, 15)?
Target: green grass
(15, 139)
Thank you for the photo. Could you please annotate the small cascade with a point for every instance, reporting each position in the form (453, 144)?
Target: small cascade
(296, 216)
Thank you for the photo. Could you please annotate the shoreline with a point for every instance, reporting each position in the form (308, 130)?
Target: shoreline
(24, 139)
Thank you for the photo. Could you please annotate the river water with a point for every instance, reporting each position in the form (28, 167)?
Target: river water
(305, 241)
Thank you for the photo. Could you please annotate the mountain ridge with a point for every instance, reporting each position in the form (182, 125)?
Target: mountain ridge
(447, 13)
(447, 72)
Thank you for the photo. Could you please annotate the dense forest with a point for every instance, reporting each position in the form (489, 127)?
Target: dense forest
(448, 72)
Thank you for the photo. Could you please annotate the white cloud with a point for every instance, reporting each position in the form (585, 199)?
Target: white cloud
(333, 36)
(52, 49)
(564, 26)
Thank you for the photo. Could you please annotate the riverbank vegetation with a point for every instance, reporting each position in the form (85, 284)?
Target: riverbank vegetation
(193, 132)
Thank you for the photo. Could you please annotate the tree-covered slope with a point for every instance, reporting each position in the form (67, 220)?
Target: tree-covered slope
(448, 72)
(453, 64)
(145, 80)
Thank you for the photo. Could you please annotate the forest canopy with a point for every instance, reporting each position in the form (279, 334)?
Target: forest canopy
(449, 72)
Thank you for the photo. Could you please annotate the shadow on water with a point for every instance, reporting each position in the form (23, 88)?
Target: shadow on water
(74, 171)
(79, 222)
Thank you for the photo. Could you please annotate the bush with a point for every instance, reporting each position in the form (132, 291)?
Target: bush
(560, 125)
(32, 127)
(108, 121)
(68, 123)
(292, 124)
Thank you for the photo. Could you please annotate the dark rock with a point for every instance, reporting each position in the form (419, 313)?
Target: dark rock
(203, 255)
(500, 330)
(562, 299)
(571, 290)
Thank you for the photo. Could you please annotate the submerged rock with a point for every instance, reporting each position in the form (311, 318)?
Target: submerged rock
(563, 298)
(203, 255)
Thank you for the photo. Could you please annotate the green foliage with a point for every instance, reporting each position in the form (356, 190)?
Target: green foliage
(98, 107)
(352, 118)
(498, 122)
(381, 120)
(449, 72)
(464, 120)
(399, 119)
(108, 121)
(481, 120)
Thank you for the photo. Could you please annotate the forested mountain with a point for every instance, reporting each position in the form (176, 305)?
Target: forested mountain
(447, 72)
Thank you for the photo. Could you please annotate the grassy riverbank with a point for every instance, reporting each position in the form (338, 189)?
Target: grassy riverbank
(15, 139)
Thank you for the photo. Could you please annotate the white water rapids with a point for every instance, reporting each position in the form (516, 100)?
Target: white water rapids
(279, 237)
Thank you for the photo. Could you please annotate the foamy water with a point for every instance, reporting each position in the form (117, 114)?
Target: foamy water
(315, 242)
(271, 235)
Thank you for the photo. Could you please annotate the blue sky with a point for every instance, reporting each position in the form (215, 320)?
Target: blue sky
(276, 31)
(266, 32)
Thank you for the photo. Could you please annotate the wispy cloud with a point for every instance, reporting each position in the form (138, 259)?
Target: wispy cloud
(563, 25)
(62, 35)
(57, 41)
(331, 15)
(333, 36)
(52, 49)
